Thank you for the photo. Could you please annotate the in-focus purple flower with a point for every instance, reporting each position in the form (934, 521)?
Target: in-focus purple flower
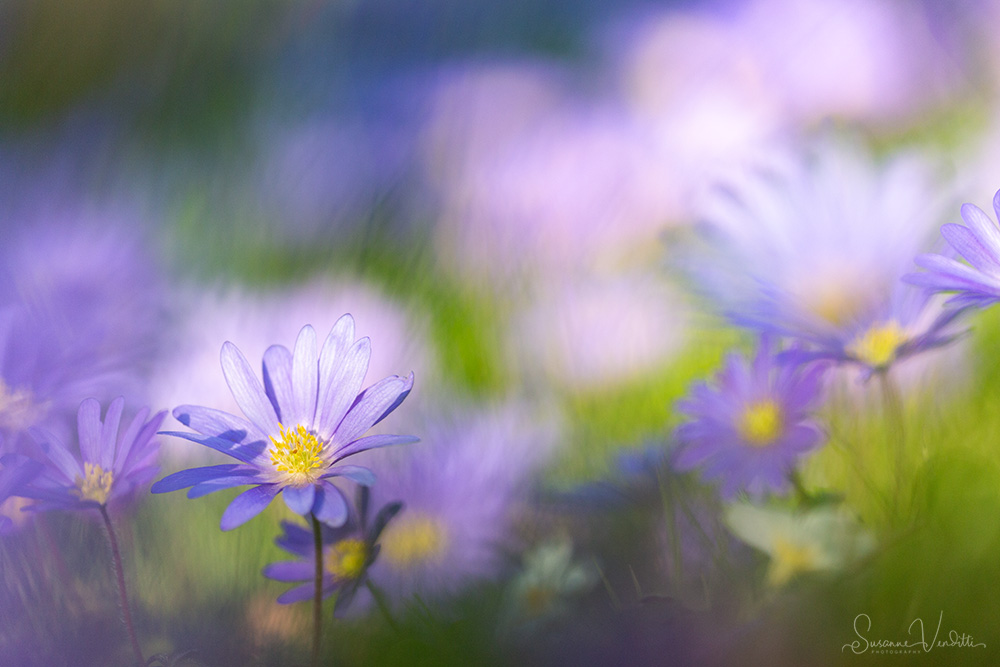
(815, 248)
(112, 464)
(348, 551)
(750, 429)
(301, 422)
(978, 283)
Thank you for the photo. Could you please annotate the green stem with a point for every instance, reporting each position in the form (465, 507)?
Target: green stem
(383, 606)
(116, 558)
(317, 592)
(893, 406)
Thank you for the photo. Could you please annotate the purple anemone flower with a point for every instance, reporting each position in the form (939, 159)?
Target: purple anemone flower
(301, 422)
(348, 552)
(112, 465)
(750, 430)
(814, 248)
(977, 285)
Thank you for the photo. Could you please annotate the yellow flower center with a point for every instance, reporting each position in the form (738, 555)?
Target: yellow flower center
(95, 484)
(413, 539)
(17, 410)
(346, 559)
(297, 453)
(877, 347)
(790, 559)
(761, 423)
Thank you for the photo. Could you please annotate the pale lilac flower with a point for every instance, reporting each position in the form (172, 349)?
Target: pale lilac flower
(814, 248)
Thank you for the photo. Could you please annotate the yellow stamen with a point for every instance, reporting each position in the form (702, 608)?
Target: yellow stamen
(761, 423)
(790, 559)
(297, 453)
(877, 347)
(346, 559)
(414, 539)
(95, 484)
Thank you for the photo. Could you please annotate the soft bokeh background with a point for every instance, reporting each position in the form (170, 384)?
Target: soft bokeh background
(498, 192)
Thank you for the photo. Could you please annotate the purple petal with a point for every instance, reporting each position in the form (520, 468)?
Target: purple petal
(291, 570)
(246, 453)
(983, 227)
(88, 421)
(970, 247)
(247, 390)
(357, 474)
(330, 507)
(953, 269)
(57, 453)
(218, 423)
(305, 376)
(278, 380)
(247, 505)
(341, 376)
(128, 437)
(192, 476)
(299, 498)
(373, 442)
(297, 594)
(109, 433)
(143, 443)
(372, 406)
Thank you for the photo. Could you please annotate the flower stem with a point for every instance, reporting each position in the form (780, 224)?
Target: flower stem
(893, 406)
(382, 605)
(317, 592)
(116, 558)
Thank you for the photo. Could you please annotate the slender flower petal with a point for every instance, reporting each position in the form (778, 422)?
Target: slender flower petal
(304, 419)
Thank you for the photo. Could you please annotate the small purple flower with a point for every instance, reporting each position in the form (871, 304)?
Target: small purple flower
(977, 285)
(306, 417)
(111, 467)
(348, 552)
(751, 429)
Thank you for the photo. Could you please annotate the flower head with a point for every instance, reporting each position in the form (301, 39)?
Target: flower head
(814, 249)
(348, 552)
(112, 465)
(301, 422)
(751, 429)
(978, 283)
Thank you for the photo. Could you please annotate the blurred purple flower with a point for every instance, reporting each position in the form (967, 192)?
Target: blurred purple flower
(979, 243)
(305, 418)
(750, 430)
(460, 495)
(111, 467)
(78, 319)
(814, 249)
(15, 472)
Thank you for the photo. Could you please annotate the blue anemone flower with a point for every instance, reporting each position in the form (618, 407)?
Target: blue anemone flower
(301, 422)
(978, 283)
(112, 465)
(750, 430)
